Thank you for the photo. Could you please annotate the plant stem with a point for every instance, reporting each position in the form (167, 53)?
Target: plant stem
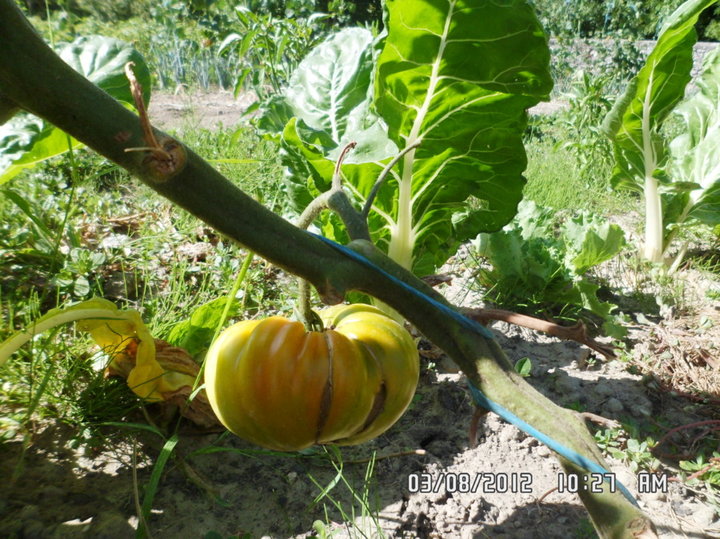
(383, 175)
(337, 200)
(653, 248)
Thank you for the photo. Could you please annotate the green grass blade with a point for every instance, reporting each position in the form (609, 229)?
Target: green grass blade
(151, 488)
(138, 426)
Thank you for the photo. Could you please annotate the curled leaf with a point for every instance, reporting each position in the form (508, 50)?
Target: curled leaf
(125, 339)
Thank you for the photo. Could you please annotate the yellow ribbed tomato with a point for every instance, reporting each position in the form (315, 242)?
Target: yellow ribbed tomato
(279, 386)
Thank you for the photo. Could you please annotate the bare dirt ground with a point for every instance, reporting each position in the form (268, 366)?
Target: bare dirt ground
(220, 486)
(179, 111)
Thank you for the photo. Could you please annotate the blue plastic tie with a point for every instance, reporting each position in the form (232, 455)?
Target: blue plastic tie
(478, 396)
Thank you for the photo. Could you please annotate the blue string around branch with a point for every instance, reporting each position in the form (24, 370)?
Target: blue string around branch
(478, 396)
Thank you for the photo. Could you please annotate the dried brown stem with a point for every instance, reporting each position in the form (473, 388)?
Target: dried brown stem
(715, 423)
(167, 156)
(600, 420)
(577, 333)
(136, 89)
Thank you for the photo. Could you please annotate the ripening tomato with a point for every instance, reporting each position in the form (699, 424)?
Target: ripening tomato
(276, 384)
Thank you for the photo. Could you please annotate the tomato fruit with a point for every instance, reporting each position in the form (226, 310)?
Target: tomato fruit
(282, 387)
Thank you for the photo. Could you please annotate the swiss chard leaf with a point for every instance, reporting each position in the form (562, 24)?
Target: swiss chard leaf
(453, 80)
(329, 95)
(456, 77)
(635, 119)
(102, 61)
(329, 101)
(332, 81)
(695, 154)
(26, 140)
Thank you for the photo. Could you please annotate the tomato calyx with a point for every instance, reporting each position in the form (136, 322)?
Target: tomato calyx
(313, 322)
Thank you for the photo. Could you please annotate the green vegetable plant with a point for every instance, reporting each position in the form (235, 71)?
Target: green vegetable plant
(540, 262)
(268, 49)
(680, 179)
(437, 109)
(589, 101)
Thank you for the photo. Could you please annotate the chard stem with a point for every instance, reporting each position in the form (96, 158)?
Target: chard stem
(653, 221)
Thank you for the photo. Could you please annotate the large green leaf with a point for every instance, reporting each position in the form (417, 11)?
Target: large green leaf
(329, 100)
(456, 77)
(26, 140)
(633, 123)
(590, 240)
(329, 94)
(539, 260)
(102, 61)
(332, 81)
(695, 154)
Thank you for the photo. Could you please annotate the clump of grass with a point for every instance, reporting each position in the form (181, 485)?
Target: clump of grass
(77, 227)
(361, 514)
(558, 180)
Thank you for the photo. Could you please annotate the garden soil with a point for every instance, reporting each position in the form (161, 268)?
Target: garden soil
(506, 486)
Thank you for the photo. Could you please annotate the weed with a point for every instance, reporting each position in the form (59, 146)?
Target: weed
(589, 101)
(361, 518)
(626, 445)
(703, 469)
(555, 178)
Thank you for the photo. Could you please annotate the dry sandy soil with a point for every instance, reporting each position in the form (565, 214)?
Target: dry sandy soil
(221, 484)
